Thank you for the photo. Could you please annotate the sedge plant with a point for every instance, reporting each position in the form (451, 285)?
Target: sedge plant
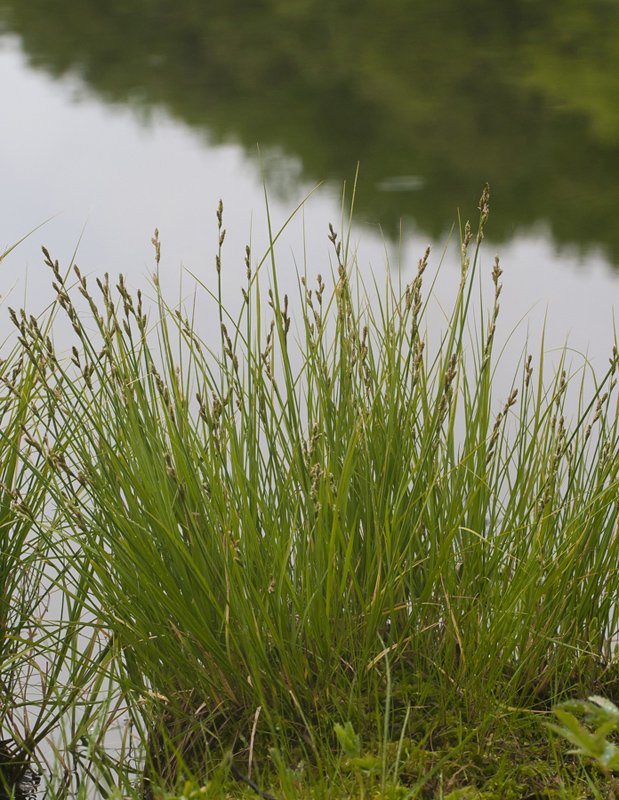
(336, 490)
(47, 666)
(51, 656)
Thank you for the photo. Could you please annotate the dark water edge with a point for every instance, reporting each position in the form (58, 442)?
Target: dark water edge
(25, 788)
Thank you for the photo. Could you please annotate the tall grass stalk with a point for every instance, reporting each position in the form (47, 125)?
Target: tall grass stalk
(272, 525)
(47, 652)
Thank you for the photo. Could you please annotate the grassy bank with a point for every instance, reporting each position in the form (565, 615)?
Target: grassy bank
(327, 555)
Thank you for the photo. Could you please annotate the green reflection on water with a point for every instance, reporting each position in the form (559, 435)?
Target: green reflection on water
(432, 99)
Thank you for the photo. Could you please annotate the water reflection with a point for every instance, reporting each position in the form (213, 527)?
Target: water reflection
(452, 94)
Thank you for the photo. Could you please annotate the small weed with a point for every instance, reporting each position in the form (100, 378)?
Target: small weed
(597, 745)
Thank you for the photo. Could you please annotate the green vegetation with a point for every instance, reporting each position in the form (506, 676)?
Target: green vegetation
(605, 716)
(49, 667)
(328, 557)
(456, 92)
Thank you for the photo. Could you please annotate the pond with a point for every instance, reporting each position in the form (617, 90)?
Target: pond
(124, 116)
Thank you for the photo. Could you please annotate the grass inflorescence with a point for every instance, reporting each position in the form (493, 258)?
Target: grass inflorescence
(328, 551)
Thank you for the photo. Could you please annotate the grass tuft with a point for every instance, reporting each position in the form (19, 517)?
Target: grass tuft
(318, 539)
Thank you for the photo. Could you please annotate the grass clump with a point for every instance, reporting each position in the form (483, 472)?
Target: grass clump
(334, 535)
(50, 662)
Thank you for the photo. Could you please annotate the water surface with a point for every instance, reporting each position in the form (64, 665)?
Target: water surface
(128, 115)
